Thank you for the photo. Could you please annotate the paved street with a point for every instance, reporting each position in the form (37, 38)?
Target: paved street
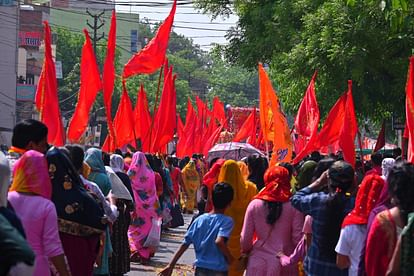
(170, 241)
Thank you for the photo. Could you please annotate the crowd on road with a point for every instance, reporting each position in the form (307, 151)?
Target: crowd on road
(79, 211)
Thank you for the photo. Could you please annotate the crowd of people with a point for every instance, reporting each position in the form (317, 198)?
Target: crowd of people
(77, 211)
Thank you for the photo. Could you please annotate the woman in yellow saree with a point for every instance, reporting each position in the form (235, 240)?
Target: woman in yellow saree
(191, 180)
(244, 191)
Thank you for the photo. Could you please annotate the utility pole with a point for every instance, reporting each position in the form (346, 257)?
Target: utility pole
(95, 27)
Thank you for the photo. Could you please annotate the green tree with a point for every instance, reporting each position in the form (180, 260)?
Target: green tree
(341, 40)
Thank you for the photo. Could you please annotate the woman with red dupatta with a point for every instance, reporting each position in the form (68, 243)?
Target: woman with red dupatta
(276, 224)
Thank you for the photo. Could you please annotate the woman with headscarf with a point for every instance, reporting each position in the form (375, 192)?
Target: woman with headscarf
(276, 224)
(305, 174)
(98, 174)
(30, 195)
(353, 233)
(145, 194)
(119, 262)
(243, 169)
(244, 191)
(191, 180)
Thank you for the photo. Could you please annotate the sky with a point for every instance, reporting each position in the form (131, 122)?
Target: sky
(187, 21)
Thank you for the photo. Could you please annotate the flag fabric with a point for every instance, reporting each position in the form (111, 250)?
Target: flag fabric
(307, 121)
(46, 100)
(271, 119)
(165, 122)
(332, 127)
(212, 140)
(152, 56)
(90, 85)
(124, 120)
(247, 128)
(185, 141)
(142, 120)
(268, 104)
(218, 111)
(381, 138)
(108, 76)
(349, 129)
(307, 118)
(409, 110)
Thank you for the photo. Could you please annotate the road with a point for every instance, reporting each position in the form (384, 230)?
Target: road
(170, 241)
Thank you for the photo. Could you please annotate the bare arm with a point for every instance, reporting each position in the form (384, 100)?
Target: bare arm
(342, 261)
(395, 264)
(60, 265)
(167, 271)
(222, 246)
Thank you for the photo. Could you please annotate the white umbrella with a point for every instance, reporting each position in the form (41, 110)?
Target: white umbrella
(233, 150)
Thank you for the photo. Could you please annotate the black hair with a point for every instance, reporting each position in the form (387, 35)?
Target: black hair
(341, 176)
(315, 156)
(214, 160)
(275, 210)
(322, 166)
(106, 159)
(376, 158)
(401, 187)
(257, 167)
(28, 131)
(183, 162)
(169, 160)
(222, 195)
(128, 154)
(288, 166)
(396, 152)
(76, 155)
(119, 152)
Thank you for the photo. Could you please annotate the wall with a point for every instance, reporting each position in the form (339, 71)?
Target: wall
(8, 68)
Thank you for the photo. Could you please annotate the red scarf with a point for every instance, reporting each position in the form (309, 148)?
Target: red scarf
(277, 185)
(367, 197)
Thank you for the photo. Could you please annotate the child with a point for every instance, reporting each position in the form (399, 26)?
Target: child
(209, 233)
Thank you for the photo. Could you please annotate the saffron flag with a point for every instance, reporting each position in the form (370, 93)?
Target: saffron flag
(90, 84)
(124, 120)
(268, 105)
(381, 138)
(165, 121)
(409, 110)
(271, 119)
(108, 76)
(211, 141)
(349, 129)
(307, 120)
(46, 100)
(152, 56)
(186, 140)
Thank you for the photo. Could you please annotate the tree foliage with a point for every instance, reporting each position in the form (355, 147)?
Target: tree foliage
(367, 41)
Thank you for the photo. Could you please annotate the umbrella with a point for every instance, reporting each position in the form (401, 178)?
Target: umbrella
(233, 150)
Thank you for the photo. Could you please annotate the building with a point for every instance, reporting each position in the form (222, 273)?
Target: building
(9, 12)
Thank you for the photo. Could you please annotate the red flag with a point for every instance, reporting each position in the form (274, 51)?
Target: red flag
(165, 120)
(185, 144)
(47, 101)
(381, 138)
(409, 110)
(108, 76)
(124, 120)
(247, 128)
(349, 129)
(218, 111)
(90, 84)
(151, 57)
(142, 120)
(307, 120)
(332, 127)
(211, 141)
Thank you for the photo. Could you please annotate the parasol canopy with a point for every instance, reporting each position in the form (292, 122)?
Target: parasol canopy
(233, 150)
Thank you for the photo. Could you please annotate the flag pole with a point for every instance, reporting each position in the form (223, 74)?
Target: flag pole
(155, 106)
(361, 151)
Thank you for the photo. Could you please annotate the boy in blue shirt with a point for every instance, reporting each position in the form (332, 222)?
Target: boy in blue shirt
(209, 233)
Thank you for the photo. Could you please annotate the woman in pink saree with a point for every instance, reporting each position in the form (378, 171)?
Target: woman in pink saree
(145, 194)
